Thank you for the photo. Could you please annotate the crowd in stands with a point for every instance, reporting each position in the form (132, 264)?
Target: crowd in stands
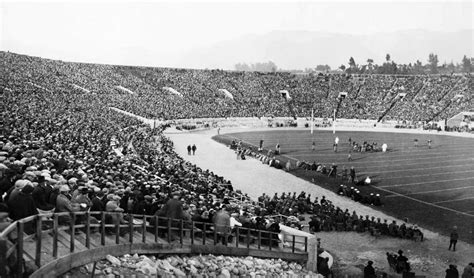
(254, 94)
(62, 149)
(325, 216)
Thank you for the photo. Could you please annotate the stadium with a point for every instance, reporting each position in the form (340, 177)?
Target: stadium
(135, 171)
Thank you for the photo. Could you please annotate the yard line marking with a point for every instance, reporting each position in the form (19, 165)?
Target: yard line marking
(454, 200)
(426, 182)
(431, 191)
(426, 175)
(413, 169)
(405, 164)
(387, 159)
(427, 203)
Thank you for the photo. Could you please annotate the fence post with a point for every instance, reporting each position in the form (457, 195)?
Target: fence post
(102, 228)
(270, 240)
(144, 229)
(88, 230)
(237, 236)
(306, 244)
(38, 241)
(19, 248)
(117, 229)
(204, 234)
(181, 227)
(259, 239)
(130, 228)
(215, 234)
(248, 238)
(293, 245)
(156, 227)
(169, 229)
(73, 232)
(3, 258)
(55, 236)
(192, 232)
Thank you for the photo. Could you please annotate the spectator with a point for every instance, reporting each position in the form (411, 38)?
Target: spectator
(452, 272)
(453, 238)
(369, 271)
(222, 225)
(468, 272)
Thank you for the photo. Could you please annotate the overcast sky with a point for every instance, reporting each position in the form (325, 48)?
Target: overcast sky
(126, 32)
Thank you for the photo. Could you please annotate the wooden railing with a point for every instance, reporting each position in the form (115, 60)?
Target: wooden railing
(23, 243)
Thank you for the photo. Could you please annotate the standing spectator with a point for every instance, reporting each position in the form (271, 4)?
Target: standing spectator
(369, 271)
(402, 263)
(173, 209)
(352, 174)
(222, 224)
(452, 272)
(277, 149)
(189, 149)
(194, 149)
(453, 238)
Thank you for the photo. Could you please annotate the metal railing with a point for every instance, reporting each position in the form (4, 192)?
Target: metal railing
(116, 226)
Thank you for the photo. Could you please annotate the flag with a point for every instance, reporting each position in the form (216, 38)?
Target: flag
(312, 120)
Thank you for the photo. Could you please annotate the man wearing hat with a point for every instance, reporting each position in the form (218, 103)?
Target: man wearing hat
(173, 209)
(222, 224)
(22, 205)
(369, 271)
(63, 204)
(41, 194)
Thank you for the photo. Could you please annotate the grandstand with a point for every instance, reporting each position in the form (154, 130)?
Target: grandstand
(58, 141)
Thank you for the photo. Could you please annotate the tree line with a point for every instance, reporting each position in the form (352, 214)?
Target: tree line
(432, 66)
(389, 66)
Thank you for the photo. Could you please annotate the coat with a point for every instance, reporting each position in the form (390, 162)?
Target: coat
(222, 222)
(63, 204)
(172, 209)
(21, 205)
(41, 195)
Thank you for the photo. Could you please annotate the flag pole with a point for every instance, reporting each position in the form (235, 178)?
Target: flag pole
(312, 120)
(334, 123)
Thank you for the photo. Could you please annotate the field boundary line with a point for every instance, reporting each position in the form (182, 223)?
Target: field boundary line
(431, 191)
(387, 159)
(454, 200)
(426, 175)
(426, 182)
(414, 169)
(427, 203)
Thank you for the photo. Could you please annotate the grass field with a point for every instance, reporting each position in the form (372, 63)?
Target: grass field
(433, 187)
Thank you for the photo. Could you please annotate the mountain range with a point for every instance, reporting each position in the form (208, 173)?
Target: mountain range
(307, 49)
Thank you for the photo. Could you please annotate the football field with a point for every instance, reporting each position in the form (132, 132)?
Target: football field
(432, 187)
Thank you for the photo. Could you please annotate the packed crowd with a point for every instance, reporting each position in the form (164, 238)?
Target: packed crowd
(63, 150)
(325, 216)
(254, 94)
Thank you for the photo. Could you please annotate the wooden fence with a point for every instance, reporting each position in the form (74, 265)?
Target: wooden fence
(37, 243)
